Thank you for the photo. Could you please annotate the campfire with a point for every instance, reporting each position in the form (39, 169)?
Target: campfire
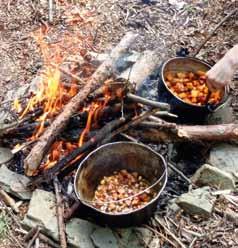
(81, 106)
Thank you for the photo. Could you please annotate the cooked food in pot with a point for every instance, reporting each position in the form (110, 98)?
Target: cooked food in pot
(191, 87)
(121, 185)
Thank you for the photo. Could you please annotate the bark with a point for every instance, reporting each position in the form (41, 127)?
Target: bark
(224, 132)
(104, 71)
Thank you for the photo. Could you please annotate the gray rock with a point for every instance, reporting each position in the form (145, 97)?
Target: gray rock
(197, 202)
(42, 212)
(78, 233)
(17, 93)
(223, 115)
(127, 237)
(145, 235)
(14, 183)
(5, 155)
(209, 175)
(225, 157)
(104, 238)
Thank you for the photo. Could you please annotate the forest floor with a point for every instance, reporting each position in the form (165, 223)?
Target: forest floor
(162, 25)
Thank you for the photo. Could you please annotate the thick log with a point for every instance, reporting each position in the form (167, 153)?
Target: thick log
(143, 67)
(104, 71)
(224, 132)
(51, 173)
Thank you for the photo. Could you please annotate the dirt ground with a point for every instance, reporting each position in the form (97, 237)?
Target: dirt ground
(162, 25)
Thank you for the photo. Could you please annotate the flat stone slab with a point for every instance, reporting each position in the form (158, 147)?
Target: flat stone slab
(208, 175)
(5, 155)
(197, 202)
(14, 183)
(42, 212)
(224, 115)
(104, 238)
(225, 157)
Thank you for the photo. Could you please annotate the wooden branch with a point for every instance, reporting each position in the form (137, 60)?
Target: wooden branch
(143, 67)
(69, 213)
(35, 236)
(48, 175)
(104, 71)
(224, 132)
(214, 30)
(60, 214)
(144, 101)
(134, 122)
(8, 200)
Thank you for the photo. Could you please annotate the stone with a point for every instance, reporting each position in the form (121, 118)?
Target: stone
(198, 202)
(104, 238)
(209, 175)
(223, 115)
(145, 235)
(42, 212)
(5, 155)
(225, 156)
(78, 233)
(14, 183)
(17, 93)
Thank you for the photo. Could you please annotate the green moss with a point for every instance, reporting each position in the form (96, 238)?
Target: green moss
(3, 225)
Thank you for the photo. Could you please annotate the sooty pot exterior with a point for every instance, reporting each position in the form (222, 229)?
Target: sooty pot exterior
(113, 157)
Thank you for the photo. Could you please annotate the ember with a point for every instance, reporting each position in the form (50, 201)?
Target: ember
(122, 192)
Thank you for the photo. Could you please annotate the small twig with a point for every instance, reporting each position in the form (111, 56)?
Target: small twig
(30, 234)
(60, 214)
(71, 210)
(31, 242)
(169, 232)
(162, 236)
(48, 241)
(50, 13)
(8, 200)
(147, 102)
(214, 30)
(179, 172)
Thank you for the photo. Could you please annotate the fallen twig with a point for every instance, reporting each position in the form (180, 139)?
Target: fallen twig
(31, 242)
(8, 200)
(178, 241)
(60, 214)
(144, 101)
(214, 30)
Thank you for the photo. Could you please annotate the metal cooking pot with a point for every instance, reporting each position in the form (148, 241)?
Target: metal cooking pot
(113, 157)
(187, 112)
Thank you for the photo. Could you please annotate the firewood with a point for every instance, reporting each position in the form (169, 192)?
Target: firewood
(49, 174)
(60, 214)
(104, 71)
(144, 101)
(223, 132)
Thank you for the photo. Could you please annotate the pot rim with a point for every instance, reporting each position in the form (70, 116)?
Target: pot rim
(164, 175)
(190, 104)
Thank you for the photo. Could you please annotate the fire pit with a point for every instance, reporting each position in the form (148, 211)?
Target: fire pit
(107, 159)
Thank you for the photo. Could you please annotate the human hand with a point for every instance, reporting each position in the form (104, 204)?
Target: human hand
(221, 74)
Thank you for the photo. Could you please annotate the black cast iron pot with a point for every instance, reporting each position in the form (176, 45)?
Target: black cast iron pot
(187, 113)
(114, 157)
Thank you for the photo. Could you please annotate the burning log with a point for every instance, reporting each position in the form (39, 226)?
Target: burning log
(104, 71)
(54, 171)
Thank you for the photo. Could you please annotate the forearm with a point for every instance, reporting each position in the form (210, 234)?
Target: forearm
(232, 57)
